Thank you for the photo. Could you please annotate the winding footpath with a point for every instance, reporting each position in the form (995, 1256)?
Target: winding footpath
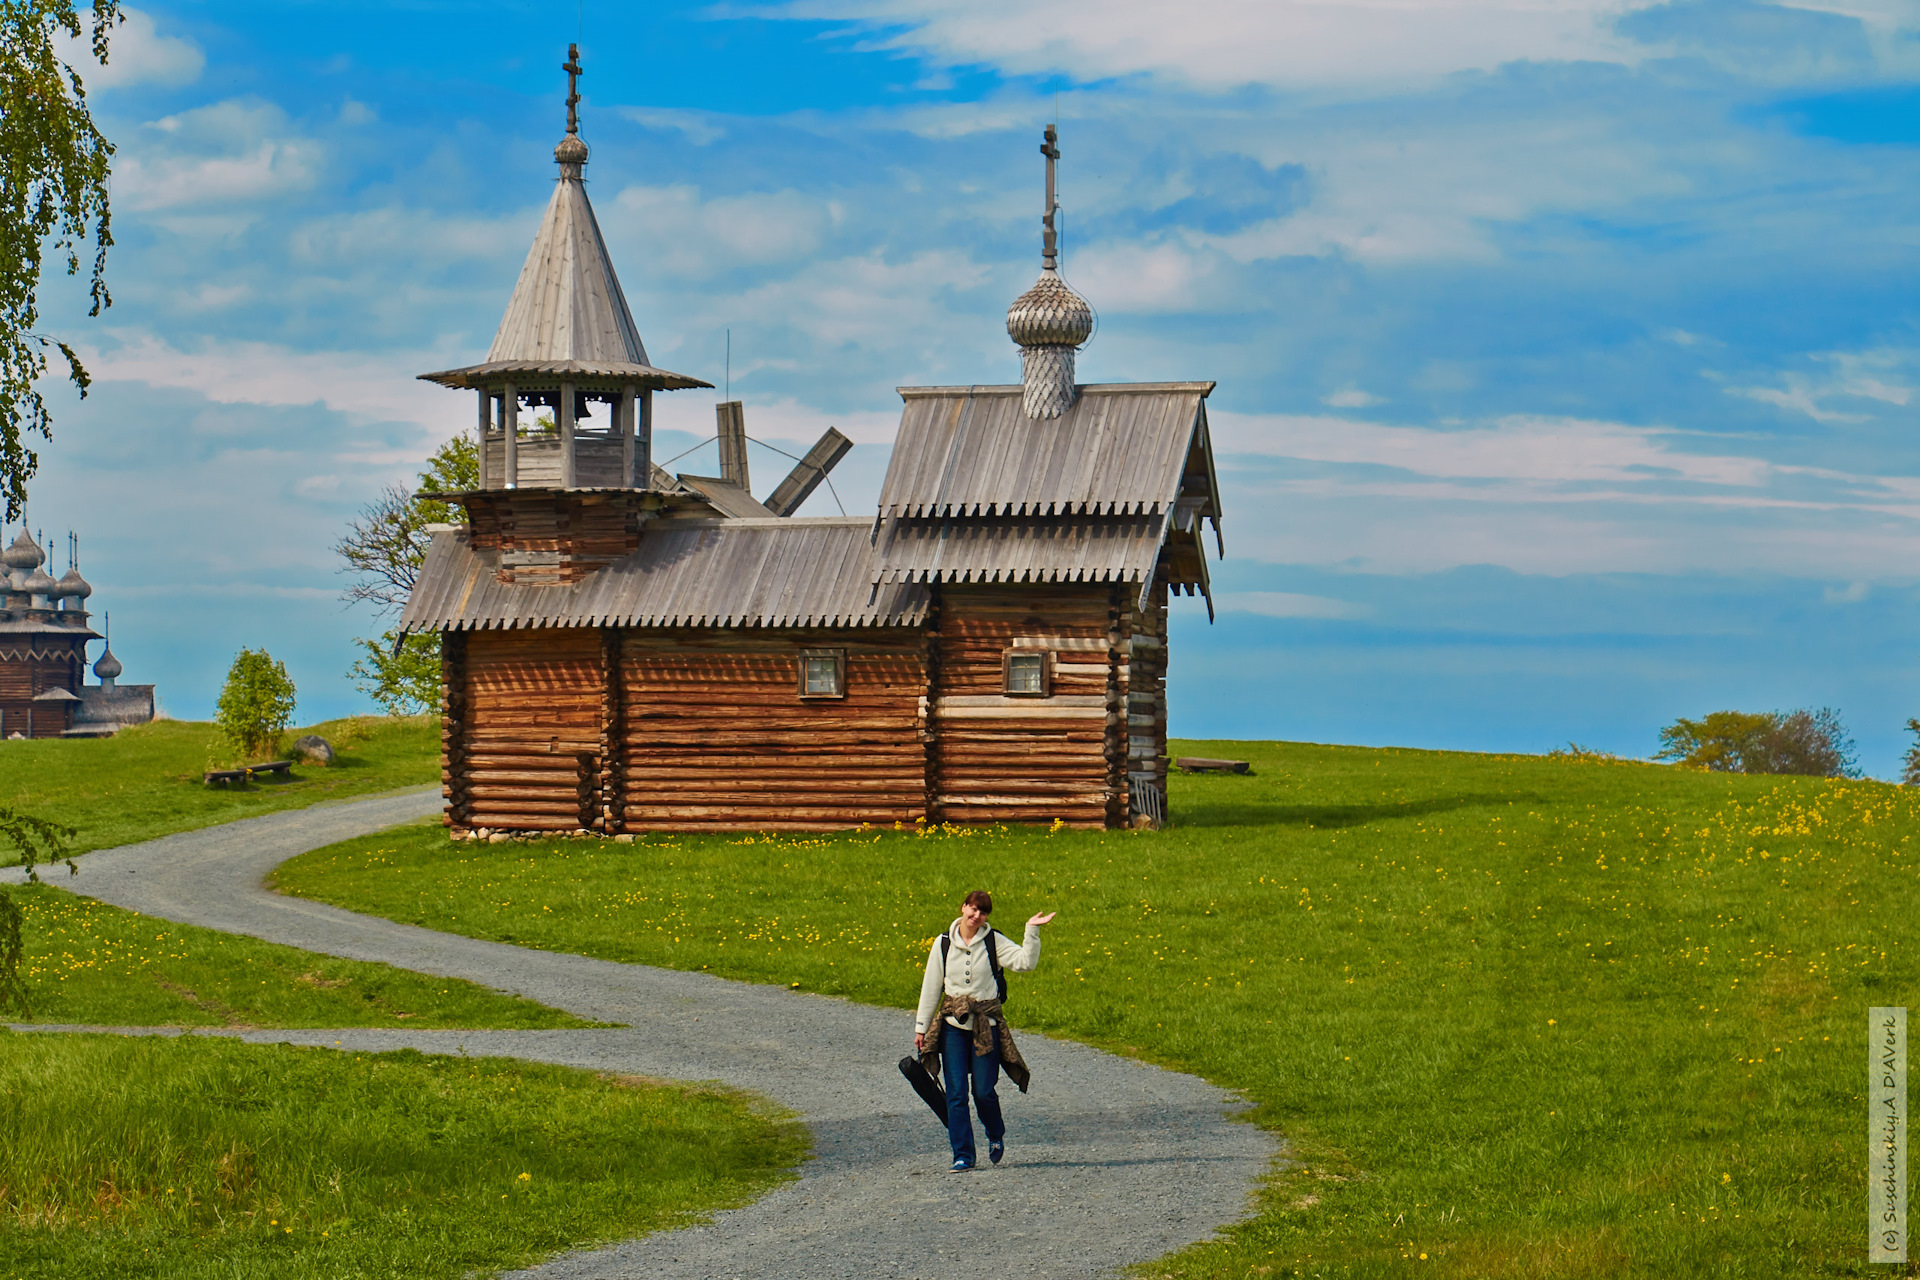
(1109, 1162)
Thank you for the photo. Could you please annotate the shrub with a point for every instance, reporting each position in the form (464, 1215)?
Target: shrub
(1810, 743)
(257, 704)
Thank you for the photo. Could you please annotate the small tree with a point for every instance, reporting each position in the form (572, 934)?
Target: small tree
(1810, 743)
(384, 550)
(402, 678)
(37, 840)
(1910, 775)
(53, 192)
(257, 704)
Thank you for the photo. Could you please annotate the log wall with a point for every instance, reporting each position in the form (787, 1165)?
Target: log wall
(715, 736)
(1013, 759)
(555, 537)
(526, 752)
(705, 729)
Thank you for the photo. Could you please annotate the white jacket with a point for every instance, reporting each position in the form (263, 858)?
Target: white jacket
(968, 973)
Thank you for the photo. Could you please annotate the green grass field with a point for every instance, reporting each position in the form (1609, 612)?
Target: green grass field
(146, 781)
(195, 1158)
(1515, 1016)
(96, 965)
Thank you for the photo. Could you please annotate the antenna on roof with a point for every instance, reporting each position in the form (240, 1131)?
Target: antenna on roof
(572, 67)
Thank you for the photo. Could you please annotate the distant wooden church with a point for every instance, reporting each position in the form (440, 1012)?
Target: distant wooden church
(44, 634)
(625, 650)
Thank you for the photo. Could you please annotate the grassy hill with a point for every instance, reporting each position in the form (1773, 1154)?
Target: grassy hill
(1514, 1016)
(146, 781)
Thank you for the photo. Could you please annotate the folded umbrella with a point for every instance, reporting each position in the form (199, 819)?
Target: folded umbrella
(923, 1084)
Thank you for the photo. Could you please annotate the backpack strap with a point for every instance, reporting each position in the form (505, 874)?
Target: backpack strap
(993, 959)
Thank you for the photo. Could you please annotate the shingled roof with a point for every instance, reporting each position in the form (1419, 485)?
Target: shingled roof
(686, 573)
(568, 317)
(1121, 449)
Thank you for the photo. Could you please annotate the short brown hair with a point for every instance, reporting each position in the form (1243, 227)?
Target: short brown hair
(980, 900)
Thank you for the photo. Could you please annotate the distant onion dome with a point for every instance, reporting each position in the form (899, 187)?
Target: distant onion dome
(108, 668)
(24, 555)
(1049, 322)
(39, 583)
(73, 587)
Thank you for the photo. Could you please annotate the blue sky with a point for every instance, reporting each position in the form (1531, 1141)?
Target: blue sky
(1566, 353)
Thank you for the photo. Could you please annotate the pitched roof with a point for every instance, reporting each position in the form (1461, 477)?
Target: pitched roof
(1121, 449)
(568, 315)
(1019, 549)
(686, 573)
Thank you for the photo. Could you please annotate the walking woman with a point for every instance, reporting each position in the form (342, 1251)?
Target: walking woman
(960, 1024)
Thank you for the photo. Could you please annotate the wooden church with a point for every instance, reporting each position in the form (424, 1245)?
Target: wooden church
(626, 651)
(44, 633)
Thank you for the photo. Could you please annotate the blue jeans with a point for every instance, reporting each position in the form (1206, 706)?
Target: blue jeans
(961, 1066)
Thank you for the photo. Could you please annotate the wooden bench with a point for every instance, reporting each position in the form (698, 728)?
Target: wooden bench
(1203, 764)
(227, 777)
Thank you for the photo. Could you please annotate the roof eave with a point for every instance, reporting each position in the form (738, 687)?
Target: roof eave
(495, 373)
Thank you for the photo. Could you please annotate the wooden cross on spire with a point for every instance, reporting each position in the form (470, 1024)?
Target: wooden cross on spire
(1050, 241)
(572, 67)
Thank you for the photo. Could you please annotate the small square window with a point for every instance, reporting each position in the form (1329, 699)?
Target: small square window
(1027, 673)
(823, 673)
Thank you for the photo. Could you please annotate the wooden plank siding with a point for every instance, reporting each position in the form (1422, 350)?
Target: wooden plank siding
(1146, 702)
(28, 671)
(1011, 759)
(716, 736)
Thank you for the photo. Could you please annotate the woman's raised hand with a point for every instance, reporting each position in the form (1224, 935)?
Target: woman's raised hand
(1040, 920)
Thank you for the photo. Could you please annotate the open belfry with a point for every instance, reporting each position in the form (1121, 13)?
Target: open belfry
(626, 650)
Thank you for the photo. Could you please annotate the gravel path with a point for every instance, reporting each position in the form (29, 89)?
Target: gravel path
(1109, 1162)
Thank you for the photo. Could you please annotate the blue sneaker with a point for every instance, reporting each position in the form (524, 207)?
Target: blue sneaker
(960, 1166)
(995, 1150)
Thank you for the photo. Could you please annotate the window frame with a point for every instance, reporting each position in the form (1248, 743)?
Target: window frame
(1046, 673)
(839, 657)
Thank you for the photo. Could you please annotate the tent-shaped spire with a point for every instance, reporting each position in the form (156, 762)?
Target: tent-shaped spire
(568, 316)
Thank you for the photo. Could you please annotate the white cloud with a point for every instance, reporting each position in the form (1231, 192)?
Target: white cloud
(1229, 42)
(1533, 450)
(1352, 399)
(865, 300)
(1852, 593)
(1847, 376)
(684, 235)
(230, 153)
(1288, 604)
(136, 54)
(698, 127)
(382, 387)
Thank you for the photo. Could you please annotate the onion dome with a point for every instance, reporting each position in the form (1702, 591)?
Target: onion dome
(108, 667)
(39, 583)
(571, 150)
(1049, 321)
(1050, 314)
(72, 587)
(24, 555)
